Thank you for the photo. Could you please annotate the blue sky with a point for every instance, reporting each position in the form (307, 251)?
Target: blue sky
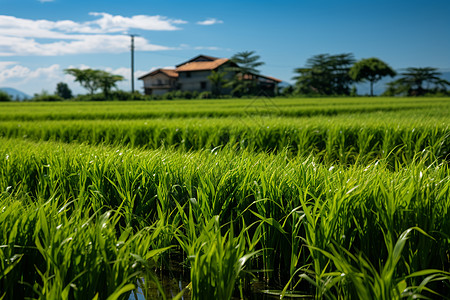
(40, 38)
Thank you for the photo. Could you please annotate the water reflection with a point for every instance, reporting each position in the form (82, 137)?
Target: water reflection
(173, 287)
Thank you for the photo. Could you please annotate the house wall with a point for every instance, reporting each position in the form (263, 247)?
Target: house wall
(192, 81)
(157, 80)
(159, 92)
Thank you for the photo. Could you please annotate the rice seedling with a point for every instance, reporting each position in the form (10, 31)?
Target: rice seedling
(344, 139)
(286, 107)
(96, 208)
(360, 279)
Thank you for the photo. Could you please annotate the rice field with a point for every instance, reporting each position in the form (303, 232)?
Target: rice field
(230, 199)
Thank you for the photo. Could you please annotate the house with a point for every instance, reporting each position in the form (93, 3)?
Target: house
(160, 81)
(192, 75)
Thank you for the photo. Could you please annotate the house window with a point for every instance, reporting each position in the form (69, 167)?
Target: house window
(188, 74)
(203, 85)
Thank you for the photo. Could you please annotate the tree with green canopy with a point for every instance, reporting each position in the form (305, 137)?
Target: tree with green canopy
(372, 70)
(4, 96)
(93, 80)
(107, 81)
(87, 78)
(63, 90)
(325, 74)
(245, 67)
(412, 82)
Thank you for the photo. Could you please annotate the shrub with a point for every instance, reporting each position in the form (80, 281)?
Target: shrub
(4, 96)
(195, 94)
(167, 96)
(205, 95)
(46, 98)
(187, 95)
(93, 97)
(125, 96)
(177, 94)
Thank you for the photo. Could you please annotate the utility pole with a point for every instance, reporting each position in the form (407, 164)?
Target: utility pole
(132, 61)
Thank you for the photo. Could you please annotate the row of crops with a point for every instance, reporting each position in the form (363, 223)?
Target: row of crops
(346, 206)
(219, 109)
(345, 138)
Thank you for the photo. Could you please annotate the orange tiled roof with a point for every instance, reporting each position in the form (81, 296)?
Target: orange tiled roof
(251, 76)
(200, 57)
(202, 65)
(271, 78)
(168, 72)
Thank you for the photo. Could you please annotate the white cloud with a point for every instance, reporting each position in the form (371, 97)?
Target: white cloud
(106, 34)
(110, 23)
(210, 21)
(22, 78)
(80, 44)
(105, 23)
(4, 64)
(189, 47)
(211, 48)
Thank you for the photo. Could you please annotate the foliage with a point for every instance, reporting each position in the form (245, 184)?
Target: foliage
(247, 62)
(44, 96)
(370, 69)
(217, 261)
(205, 95)
(277, 107)
(107, 81)
(352, 133)
(87, 78)
(325, 74)
(93, 80)
(217, 80)
(287, 91)
(127, 96)
(4, 96)
(351, 202)
(412, 81)
(245, 70)
(118, 95)
(90, 97)
(80, 220)
(63, 91)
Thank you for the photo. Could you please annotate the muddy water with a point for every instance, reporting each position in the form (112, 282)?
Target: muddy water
(173, 286)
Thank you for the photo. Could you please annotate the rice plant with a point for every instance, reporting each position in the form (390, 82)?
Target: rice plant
(99, 207)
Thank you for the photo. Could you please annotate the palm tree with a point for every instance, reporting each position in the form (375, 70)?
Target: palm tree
(217, 80)
(412, 82)
(245, 69)
(325, 74)
(247, 61)
(416, 77)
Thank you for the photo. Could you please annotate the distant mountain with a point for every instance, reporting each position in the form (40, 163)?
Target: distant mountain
(15, 94)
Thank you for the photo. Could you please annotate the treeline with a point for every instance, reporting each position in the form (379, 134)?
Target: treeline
(322, 75)
(335, 75)
(93, 81)
(102, 86)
